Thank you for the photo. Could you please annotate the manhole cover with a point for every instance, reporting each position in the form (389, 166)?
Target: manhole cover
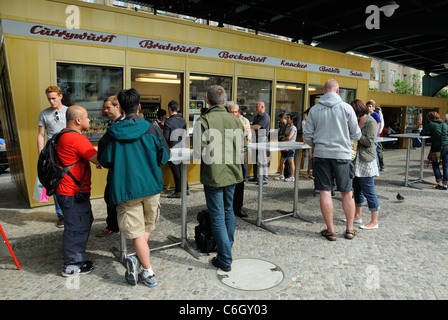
(252, 275)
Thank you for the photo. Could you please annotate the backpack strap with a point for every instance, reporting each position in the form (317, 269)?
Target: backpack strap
(67, 168)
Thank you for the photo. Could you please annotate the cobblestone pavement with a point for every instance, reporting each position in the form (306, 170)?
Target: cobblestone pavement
(405, 259)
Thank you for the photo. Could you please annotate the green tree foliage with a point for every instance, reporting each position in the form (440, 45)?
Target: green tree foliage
(442, 93)
(406, 86)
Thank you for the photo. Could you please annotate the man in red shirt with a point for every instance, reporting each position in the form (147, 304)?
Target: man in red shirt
(74, 197)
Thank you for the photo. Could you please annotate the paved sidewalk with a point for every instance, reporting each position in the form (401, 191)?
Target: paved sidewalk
(405, 259)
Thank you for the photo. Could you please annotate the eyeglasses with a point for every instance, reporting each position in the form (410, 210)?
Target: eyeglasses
(56, 115)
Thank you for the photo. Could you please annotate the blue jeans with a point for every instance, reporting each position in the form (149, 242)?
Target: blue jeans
(220, 206)
(363, 187)
(436, 164)
(57, 206)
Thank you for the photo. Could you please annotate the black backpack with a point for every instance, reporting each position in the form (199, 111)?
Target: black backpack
(203, 233)
(48, 171)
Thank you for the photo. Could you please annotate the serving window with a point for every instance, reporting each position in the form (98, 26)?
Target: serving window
(88, 86)
(252, 91)
(289, 99)
(199, 83)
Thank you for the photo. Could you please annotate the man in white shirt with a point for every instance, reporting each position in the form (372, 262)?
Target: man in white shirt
(52, 120)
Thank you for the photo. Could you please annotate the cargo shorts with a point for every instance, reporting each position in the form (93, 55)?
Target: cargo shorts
(138, 216)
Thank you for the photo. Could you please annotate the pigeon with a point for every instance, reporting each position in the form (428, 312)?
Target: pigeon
(400, 198)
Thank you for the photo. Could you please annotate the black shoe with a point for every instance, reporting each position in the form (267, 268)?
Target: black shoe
(86, 267)
(241, 214)
(264, 182)
(253, 180)
(218, 265)
(175, 195)
(60, 223)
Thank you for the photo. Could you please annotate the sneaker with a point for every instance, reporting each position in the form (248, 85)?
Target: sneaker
(71, 270)
(60, 223)
(290, 179)
(149, 281)
(132, 268)
(280, 177)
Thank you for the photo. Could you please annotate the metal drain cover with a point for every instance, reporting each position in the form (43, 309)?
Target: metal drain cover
(251, 275)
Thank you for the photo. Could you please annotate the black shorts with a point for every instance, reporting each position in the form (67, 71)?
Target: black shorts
(329, 171)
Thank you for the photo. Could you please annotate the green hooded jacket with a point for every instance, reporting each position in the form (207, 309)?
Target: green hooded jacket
(134, 149)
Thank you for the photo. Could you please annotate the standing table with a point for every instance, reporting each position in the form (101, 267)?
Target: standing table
(410, 136)
(385, 139)
(177, 154)
(278, 146)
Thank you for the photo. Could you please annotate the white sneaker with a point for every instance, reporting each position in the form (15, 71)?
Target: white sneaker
(289, 179)
(280, 177)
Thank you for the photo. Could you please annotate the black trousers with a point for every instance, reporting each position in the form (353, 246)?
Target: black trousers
(176, 169)
(111, 219)
(238, 196)
(78, 220)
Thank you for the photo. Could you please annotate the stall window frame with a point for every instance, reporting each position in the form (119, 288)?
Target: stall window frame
(302, 103)
(102, 121)
(272, 82)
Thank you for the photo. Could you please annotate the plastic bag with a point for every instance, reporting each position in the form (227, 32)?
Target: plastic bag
(39, 193)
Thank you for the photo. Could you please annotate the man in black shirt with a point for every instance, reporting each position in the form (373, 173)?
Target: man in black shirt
(261, 125)
(174, 130)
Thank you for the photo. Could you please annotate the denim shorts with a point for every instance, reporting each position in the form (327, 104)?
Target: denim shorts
(287, 154)
(329, 171)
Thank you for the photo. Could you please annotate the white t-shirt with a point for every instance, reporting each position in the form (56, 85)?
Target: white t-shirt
(53, 121)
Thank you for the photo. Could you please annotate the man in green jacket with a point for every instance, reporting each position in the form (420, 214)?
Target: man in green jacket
(135, 149)
(219, 143)
(438, 131)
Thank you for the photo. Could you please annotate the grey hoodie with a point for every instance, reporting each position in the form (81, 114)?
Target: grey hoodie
(331, 127)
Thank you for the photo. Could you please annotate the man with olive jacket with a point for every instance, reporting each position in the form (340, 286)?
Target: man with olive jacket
(219, 142)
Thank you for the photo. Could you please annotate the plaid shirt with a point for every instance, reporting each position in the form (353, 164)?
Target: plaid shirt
(366, 169)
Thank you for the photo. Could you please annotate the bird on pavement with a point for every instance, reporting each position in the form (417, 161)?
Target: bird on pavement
(400, 198)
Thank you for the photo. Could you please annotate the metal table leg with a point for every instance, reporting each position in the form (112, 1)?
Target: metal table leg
(259, 222)
(121, 253)
(422, 160)
(294, 213)
(182, 242)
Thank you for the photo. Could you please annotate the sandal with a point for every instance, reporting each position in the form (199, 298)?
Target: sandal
(350, 234)
(331, 236)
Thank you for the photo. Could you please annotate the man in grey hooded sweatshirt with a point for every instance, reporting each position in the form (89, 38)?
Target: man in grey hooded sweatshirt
(330, 128)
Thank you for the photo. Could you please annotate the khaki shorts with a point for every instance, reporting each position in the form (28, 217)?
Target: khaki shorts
(138, 216)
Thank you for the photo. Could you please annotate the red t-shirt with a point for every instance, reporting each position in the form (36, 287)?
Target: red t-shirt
(71, 147)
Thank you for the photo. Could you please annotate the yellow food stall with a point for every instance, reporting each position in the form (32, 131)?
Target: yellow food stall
(163, 58)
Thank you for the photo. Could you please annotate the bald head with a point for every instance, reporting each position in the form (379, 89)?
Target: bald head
(77, 118)
(260, 107)
(331, 86)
